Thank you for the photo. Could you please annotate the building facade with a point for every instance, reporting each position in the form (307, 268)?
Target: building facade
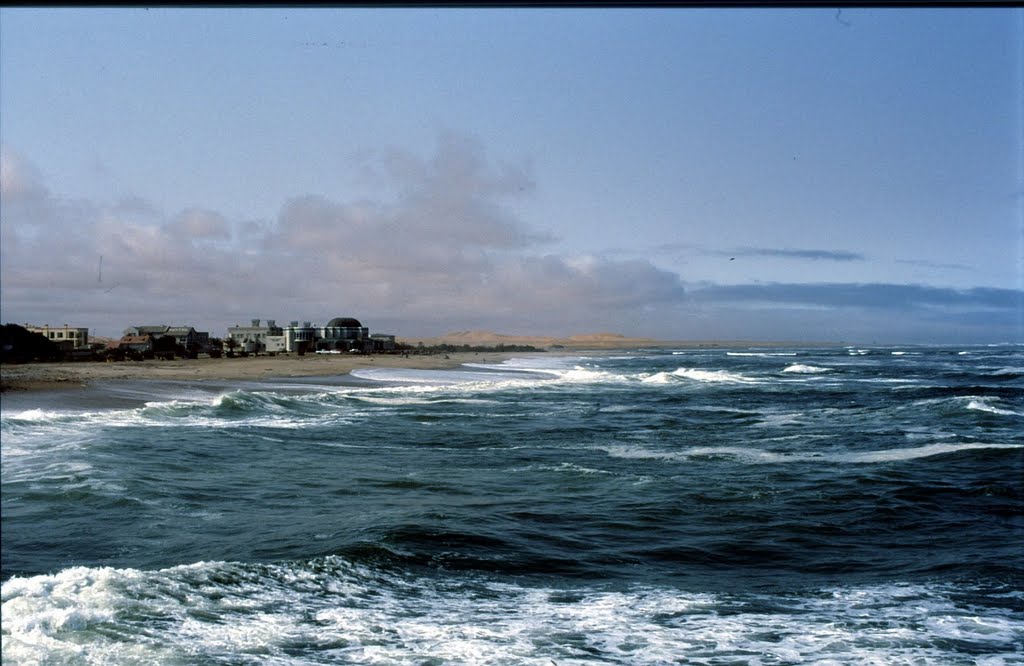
(67, 338)
(341, 334)
(253, 338)
(186, 336)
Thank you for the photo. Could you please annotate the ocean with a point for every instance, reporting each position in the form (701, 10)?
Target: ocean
(719, 505)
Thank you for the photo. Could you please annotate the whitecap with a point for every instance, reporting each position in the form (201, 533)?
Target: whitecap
(714, 376)
(217, 611)
(758, 456)
(583, 375)
(984, 405)
(34, 416)
(658, 378)
(1009, 371)
(802, 369)
(899, 455)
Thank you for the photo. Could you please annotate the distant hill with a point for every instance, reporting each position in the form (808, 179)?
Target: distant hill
(581, 341)
(493, 339)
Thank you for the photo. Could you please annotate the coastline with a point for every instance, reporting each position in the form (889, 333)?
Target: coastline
(69, 375)
(79, 374)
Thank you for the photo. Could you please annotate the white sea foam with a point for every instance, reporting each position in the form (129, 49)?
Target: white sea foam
(801, 369)
(448, 378)
(355, 614)
(985, 405)
(760, 354)
(757, 456)
(914, 453)
(659, 378)
(715, 376)
(34, 415)
(1002, 372)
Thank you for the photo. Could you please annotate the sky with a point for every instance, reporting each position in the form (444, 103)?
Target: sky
(819, 174)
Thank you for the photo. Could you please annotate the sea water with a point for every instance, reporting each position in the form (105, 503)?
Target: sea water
(692, 506)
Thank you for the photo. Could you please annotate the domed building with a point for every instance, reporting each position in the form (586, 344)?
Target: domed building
(342, 334)
(344, 322)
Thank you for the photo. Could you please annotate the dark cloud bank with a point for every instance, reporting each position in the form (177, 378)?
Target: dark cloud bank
(442, 252)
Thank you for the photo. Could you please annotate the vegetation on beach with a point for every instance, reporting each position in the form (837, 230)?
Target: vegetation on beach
(19, 345)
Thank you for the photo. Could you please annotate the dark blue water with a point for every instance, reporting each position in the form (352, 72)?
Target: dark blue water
(712, 506)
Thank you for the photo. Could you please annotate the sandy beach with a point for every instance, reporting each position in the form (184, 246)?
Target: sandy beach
(69, 375)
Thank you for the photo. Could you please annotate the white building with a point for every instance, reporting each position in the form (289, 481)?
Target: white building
(67, 338)
(343, 334)
(254, 338)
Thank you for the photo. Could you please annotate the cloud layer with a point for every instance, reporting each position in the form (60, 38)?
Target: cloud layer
(440, 251)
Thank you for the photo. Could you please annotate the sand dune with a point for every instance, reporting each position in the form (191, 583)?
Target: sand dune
(491, 339)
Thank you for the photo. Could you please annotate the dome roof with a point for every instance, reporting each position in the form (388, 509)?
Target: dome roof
(344, 322)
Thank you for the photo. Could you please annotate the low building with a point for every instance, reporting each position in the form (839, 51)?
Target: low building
(136, 343)
(382, 342)
(66, 338)
(186, 336)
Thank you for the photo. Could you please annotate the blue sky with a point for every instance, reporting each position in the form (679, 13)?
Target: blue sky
(684, 173)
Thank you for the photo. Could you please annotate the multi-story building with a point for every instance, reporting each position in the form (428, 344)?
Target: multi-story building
(253, 338)
(340, 334)
(67, 338)
(343, 334)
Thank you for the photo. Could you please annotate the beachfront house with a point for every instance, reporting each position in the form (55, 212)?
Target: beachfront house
(253, 338)
(185, 336)
(66, 338)
(136, 343)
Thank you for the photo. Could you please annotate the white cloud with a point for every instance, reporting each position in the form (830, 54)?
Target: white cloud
(442, 250)
(18, 178)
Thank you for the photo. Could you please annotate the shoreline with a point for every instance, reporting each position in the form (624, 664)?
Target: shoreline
(70, 375)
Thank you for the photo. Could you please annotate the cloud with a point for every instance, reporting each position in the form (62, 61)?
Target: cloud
(18, 178)
(197, 223)
(787, 253)
(864, 312)
(870, 296)
(440, 251)
(932, 264)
